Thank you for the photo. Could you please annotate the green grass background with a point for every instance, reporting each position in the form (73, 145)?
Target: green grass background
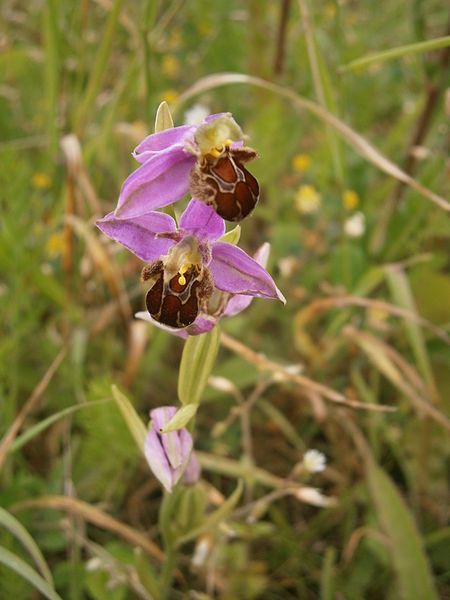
(97, 70)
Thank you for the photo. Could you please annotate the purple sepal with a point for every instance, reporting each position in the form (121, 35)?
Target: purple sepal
(202, 221)
(161, 180)
(193, 471)
(167, 454)
(162, 140)
(240, 302)
(235, 271)
(140, 234)
(202, 324)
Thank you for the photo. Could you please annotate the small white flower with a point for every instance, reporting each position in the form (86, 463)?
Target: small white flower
(315, 497)
(94, 564)
(307, 200)
(314, 461)
(355, 226)
(201, 552)
(196, 114)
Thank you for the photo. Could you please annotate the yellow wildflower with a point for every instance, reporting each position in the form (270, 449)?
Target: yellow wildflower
(170, 66)
(204, 28)
(330, 10)
(301, 163)
(41, 181)
(350, 199)
(55, 244)
(307, 200)
(175, 39)
(169, 96)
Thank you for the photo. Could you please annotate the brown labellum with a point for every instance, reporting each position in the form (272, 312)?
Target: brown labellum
(176, 302)
(225, 184)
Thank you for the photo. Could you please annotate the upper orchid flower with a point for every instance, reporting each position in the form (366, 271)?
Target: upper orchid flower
(205, 159)
(170, 455)
(187, 264)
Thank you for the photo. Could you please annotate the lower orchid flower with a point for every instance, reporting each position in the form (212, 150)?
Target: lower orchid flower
(170, 455)
(206, 159)
(188, 265)
(221, 304)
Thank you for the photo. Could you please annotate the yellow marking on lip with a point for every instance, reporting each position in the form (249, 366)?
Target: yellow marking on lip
(218, 150)
(182, 271)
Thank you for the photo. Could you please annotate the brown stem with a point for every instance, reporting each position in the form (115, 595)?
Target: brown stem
(280, 50)
(29, 405)
(264, 364)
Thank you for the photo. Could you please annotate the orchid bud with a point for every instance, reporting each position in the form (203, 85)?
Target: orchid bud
(169, 455)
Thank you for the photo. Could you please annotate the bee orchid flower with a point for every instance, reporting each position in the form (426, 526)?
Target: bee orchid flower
(188, 264)
(221, 304)
(206, 159)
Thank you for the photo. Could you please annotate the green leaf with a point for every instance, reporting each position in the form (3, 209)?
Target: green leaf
(18, 530)
(163, 119)
(402, 295)
(408, 557)
(327, 579)
(19, 566)
(32, 432)
(181, 418)
(219, 515)
(197, 362)
(132, 419)
(406, 50)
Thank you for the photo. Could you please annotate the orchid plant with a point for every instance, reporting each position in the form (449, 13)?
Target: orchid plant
(194, 274)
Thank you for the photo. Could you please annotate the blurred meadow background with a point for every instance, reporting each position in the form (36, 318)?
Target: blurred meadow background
(353, 171)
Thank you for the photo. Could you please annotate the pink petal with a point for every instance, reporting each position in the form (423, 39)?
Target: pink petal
(215, 116)
(177, 444)
(235, 271)
(192, 473)
(139, 233)
(145, 316)
(238, 303)
(161, 141)
(161, 416)
(202, 324)
(157, 460)
(163, 179)
(202, 221)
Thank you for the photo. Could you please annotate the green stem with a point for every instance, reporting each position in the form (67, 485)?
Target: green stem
(168, 571)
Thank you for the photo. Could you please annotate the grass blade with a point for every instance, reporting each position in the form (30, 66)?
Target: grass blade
(407, 553)
(32, 432)
(12, 561)
(402, 295)
(132, 419)
(51, 66)
(322, 87)
(18, 530)
(393, 53)
(98, 69)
